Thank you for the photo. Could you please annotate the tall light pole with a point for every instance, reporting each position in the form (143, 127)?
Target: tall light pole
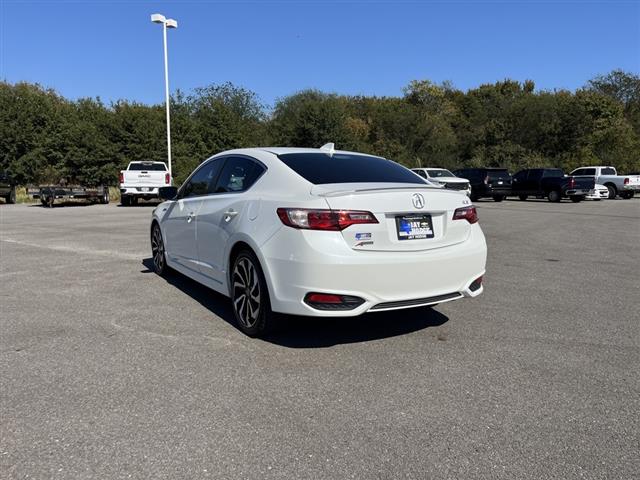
(166, 23)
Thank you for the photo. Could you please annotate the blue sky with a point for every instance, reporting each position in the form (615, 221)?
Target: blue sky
(111, 49)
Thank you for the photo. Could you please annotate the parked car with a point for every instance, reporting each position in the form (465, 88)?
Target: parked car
(550, 183)
(487, 182)
(317, 232)
(624, 185)
(142, 180)
(600, 192)
(7, 187)
(443, 177)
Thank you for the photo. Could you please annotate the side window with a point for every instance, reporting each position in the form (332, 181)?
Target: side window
(588, 171)
(238, 174)
(521, 176)
(535, 175)
(420, 172)
(201, 182)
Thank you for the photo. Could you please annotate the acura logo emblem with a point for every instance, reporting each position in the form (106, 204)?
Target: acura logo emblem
(418, 200)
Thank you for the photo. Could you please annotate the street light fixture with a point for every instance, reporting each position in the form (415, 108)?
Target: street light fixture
(166, 23)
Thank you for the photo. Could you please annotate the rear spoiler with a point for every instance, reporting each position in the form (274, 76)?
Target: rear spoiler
(328, 191)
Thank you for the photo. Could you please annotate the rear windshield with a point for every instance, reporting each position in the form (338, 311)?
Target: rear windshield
(147, 166)
(492, 174)
(320, 168)
(440, 173)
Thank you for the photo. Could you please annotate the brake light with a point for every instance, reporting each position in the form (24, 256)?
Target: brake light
(466, 213)
(167, 178)
(121, 177)
(572, 182)
(321, 219)
(626, 181)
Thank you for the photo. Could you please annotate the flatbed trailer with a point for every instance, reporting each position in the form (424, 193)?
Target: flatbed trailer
(49, 194)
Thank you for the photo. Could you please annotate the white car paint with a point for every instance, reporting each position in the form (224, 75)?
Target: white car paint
(367, 261)
(444, 178)
(600, 192)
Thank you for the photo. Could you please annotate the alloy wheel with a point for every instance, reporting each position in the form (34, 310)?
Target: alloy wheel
(157, 250)
(246, 292)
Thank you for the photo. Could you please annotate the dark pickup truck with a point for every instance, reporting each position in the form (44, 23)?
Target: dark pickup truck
(487, 182)
(550, 183)
(7, 188)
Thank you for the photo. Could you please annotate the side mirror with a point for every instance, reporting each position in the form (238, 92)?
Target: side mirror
(168, 193)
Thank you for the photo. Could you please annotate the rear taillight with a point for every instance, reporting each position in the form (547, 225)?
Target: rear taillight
(466, 213)
(626, 181)
(310, 219)
(121, 177)
(572, 182)
(331, 301)
(167, 178)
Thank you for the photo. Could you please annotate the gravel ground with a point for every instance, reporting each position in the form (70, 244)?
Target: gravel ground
(109, 371)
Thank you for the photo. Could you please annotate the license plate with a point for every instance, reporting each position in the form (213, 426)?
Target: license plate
(414, 227)
(499, 182)
(145, 189)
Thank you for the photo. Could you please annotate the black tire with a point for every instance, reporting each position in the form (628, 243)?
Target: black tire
(11, 198)
(523, 197)
(158, 254)
(498, 198)
(50, 201)
(613, 191)
(134, 201)
(577, 198)
(554, 196)
(250, 296)
(105, 197)
(125, 201)
(627, 195)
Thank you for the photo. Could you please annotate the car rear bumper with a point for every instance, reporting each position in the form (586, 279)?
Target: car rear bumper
(384, 280)
(139, 191)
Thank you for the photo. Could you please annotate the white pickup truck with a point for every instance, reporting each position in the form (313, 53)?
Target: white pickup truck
(142, 180)
(624, 185)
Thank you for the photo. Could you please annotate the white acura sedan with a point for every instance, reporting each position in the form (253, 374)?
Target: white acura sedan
(317, 232)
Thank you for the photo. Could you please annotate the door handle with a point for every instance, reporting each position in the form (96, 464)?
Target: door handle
(229, 214)
(190, 217)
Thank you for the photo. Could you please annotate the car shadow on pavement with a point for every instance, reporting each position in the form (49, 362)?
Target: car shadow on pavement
(313, 332)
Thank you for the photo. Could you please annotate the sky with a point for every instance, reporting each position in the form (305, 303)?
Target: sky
(111, 50)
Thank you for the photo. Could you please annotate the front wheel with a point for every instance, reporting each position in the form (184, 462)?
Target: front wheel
(11, 198)
(250, 296)
(498, 198)
(157, 251)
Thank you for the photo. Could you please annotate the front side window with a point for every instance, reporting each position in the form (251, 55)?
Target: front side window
(238, 175)
(202, 180)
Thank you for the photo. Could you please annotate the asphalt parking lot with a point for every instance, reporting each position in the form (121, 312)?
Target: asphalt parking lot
(109, 371)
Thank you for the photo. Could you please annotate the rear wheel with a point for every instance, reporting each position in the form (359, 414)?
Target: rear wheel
(577, 198)
(157, 251)
(105, 197)
(613, 191)
(250, 296)
(11, 198)
(627, 195)
(523, 197)
(554, 196)
(125, 201)
(498, 198)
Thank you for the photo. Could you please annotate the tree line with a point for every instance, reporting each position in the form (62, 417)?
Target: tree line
(45, 137)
